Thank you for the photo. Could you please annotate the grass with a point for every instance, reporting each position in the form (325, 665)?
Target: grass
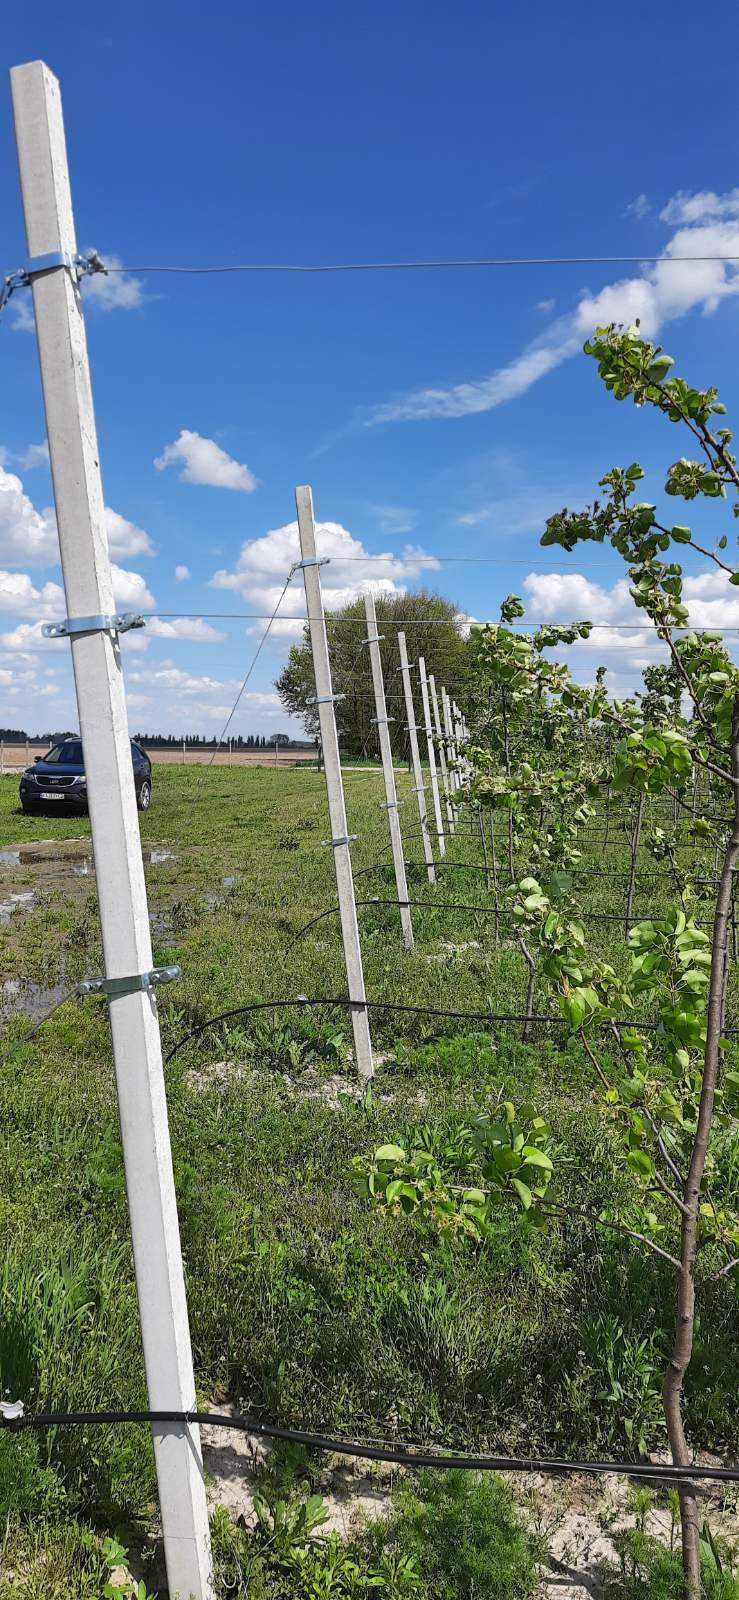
(304, 1303)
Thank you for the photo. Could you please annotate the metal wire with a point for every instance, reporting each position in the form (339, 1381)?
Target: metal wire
(454, 264)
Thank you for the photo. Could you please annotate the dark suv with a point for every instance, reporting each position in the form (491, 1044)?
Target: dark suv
(58, 778)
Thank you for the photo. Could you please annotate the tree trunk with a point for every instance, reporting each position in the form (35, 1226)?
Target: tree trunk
(531, 964)
(635, 841)
(507, 760)
(495, 878)
(682, 1348)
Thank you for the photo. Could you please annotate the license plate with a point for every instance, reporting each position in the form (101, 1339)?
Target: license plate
(52, 796)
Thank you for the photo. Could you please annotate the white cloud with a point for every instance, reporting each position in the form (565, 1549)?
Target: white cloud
(25, 533)
(523, 508)
(263, 565)
(29, 537)
(129, 589)
(546, 306)
(711, 600)
(570, 597)
(169, 677)
(204, 462)
(125, 538)
(465, 398)
(18, 596)
(192, 628)
(702, 206)
(663, 291)
(23, 320)
(181, 573)
(118, 291)
(36, 455)
(27, 638)
(394, 519)
(639, 208)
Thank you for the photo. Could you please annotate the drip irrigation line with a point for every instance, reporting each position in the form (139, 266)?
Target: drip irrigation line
(408, 1010)
(496, 910)
(426, 905)
(392, 1454)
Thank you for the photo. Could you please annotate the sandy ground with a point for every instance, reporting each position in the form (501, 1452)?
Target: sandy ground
(576, 1518)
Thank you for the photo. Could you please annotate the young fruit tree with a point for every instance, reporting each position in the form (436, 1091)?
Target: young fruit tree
(664, 1083)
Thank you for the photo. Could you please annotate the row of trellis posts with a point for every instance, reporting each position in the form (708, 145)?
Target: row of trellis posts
(53, 272)
(444, 737)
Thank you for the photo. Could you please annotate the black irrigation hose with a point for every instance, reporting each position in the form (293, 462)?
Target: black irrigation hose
(494, 910)
(427, 905)
(401, 1455)
(394, 1005)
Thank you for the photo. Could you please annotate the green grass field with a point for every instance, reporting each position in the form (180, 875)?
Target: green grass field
(305, 1304)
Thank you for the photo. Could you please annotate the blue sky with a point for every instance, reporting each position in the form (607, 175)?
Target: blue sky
(443, 411)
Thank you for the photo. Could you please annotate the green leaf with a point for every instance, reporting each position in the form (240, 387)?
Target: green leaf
(390, 1152)
(523, 1191)
(641, 1163)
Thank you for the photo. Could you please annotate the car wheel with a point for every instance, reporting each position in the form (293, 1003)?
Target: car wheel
(28, 811)
(144, 796)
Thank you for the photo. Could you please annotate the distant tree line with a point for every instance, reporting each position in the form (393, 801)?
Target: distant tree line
(170, 741)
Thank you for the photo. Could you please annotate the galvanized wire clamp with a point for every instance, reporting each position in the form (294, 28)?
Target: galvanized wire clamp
(115, 987)
(324, 699)
(118, 622)
(78, 266)
(383, 720)
(345, 838)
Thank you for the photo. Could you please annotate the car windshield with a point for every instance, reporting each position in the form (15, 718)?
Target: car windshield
(67, 755)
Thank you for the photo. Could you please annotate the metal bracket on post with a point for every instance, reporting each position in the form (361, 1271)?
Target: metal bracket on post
(344, 838)
(12, 1413)
(113, 988)
(118, 622)
(373, 638)
(78, 265)
(381, 721)
(324, 699)
(311, 561)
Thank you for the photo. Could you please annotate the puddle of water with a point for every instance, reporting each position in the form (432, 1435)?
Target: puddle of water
(72, 859)
(7, 907)
(31, 1000)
